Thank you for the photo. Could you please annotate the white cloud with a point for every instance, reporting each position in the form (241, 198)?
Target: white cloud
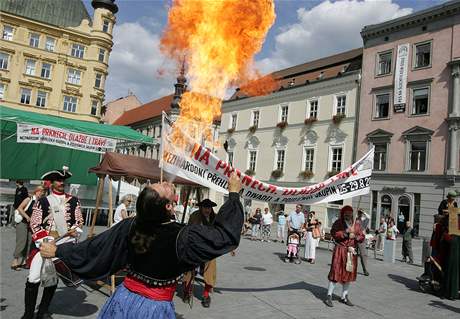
(326, 29)
(134, 64)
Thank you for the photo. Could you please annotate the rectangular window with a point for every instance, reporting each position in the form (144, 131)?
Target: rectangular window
(252, 160)
(374, 210)
(255, 118)
(78, 51)
(336, 160)
(422, 55)
(417, 155)
(30, 67)
(34, 40)
(233, 121)
(420, 101)
(98, 81)
(41, 99)
(2, 91)
(73, 76)
(101, 57)
(7, 33)
(94, 107)
(313, 109)
(309, 158)
(284, 113)
(25, 95)
(382, 106)
(230, 158)
(332, 215)
(105, 26)
(46, 70)
(341, 104)
(4, 61)
(280, 154)
(70, 103)
(384, 63)
(50, 43)
(380, 157)
(159, 131)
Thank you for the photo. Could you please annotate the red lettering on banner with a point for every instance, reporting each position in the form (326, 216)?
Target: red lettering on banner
(196, 151)
(205, 157)
(289, 191)
(221, 164)
(246, 180)
(271, 189)
(35, 131)
(228, 171)
(261, 187)
(254, 183)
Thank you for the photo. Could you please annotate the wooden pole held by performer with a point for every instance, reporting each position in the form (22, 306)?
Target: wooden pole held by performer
(100, 190)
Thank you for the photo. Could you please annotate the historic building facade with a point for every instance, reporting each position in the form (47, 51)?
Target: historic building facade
(114, 109)
(54, 56)
(410, 113)
(300, 134)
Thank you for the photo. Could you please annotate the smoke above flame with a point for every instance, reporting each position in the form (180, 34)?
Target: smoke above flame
(217, 41)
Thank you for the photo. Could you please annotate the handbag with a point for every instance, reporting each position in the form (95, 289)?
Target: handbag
(17, 217)
(316, 233)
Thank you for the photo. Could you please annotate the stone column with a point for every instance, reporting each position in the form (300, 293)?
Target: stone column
(453, 149)
(456, 88)
(454, 119)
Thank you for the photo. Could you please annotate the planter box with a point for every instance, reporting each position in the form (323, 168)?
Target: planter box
(230, 130)
(306, 174)
(277, 173)
(310, 120)
(252, 129)
(332, 173)
(250, 172)
(282, 125)
(338, 118)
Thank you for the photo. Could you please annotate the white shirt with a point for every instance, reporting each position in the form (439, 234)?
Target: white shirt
(392, 232)
(267, 218)
(117, 217)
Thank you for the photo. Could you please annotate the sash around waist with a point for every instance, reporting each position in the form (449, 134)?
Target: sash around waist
(164, 293)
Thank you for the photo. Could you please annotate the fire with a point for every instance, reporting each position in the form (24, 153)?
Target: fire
(217, 40)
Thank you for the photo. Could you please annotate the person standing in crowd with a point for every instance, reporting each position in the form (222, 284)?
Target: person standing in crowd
(407, 243)
(55, 215)
(122, 210)
(447, 203)
(401, 222)
(204, 216)
(392, 230)
(20, 194)
(296, 221)
(247, 211)
(344, 263)
(255, 221)
(267, 221)
(281, 227)
(310, 239)
(381, 234)
(23, 235)
(363, 220)
(155, 251)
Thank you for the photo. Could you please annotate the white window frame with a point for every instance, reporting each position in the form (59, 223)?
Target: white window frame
(304, 157)
(46, 70)
(331, 152)
(2, 90)
(374, 111)
(230, 124)
(280, 113)
(309, 109)
(336, 103)
(92, 107)
(50, 44)
(99, 77)
(31, 67)
(4, 61)
(41, 99)
(100, 53)
(248, 163)
(387, 145)
(414, 55)
(412, 99)
(34, 39)
(377, 63)
(70, 101)
(77, 50)
(275, 164)
(73, 76)
(29, 95)
(231, 157)
(253, 118)
(408, 155)
(7, 34)
(105, 25)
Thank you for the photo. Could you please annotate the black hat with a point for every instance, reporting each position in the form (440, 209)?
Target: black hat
(206, 203)
(59, 174)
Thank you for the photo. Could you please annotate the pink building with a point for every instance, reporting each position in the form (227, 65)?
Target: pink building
(114, 109)
(410, 112)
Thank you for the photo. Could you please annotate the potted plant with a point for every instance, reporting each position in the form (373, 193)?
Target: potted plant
(231, 130)
(332, 173)
(338, 118)
(282, 125)
(310, 120)
(250, 172)
(307, 174)
(277, 173)
(252, 129)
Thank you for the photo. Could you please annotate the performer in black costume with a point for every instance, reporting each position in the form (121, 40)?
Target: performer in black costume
(155, 251)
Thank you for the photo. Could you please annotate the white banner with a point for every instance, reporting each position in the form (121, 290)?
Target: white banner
(402, 61)
(200, 165)
(30, 133)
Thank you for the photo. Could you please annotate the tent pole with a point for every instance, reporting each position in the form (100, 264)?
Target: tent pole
(117, 196)
(161, 174)
(189, 190)
(109, 222)
(100, 190)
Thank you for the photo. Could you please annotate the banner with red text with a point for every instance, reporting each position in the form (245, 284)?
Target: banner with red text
(31, 133)
(198, 164)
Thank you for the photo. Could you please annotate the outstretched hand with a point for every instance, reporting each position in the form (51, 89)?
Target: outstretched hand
(48, 250)
(234, 183)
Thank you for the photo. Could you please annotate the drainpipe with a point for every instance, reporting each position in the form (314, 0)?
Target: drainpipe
(358, 107)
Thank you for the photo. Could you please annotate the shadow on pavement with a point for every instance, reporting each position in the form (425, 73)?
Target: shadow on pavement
(72, 302)
(440, 304)
(411, 284)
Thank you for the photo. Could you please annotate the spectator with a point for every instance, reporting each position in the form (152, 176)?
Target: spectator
(447, 203)
(296, 220)
(23, 235)
(281, 226)
(310, 239)
(247, 211)
(381, 233)
(20, 194)
(122, 210)
(407, 244)
(363, 220)
(267, 221)
(255, 221)
(392, 231)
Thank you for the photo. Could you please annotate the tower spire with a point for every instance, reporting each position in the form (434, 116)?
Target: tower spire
(179, 89)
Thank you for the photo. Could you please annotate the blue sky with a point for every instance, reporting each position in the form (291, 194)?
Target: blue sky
(304, 30)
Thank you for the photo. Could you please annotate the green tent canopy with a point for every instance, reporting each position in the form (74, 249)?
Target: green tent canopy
(29, 161)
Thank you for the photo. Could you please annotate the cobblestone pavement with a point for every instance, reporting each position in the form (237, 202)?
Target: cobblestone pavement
(256, 283)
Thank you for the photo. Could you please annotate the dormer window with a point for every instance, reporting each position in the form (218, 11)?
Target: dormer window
(105, 26)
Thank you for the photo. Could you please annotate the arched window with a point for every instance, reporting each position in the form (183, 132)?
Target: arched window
(385, 206)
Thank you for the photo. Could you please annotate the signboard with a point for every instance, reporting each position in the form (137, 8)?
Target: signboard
(30, 133)
(198, 164)
(454, 221)
(402, 62)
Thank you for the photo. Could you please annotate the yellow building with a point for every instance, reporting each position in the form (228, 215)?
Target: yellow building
(54, 56)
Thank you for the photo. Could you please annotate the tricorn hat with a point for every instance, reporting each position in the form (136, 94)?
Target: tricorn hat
(452, 194)
(59, 174)
(206, 203)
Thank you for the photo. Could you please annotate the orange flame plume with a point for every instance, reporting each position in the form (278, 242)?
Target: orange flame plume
(218, 40)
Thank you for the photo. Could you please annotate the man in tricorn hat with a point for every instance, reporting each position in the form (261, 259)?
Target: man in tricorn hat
(204, 216)
(53, 216)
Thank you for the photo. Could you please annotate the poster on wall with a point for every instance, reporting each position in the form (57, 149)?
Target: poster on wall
(402, 62)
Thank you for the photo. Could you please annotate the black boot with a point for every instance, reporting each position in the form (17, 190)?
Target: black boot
(48, 294)
(30, 299)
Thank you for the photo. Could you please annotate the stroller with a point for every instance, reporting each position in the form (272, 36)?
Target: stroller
(292, 254)
(429, 281)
